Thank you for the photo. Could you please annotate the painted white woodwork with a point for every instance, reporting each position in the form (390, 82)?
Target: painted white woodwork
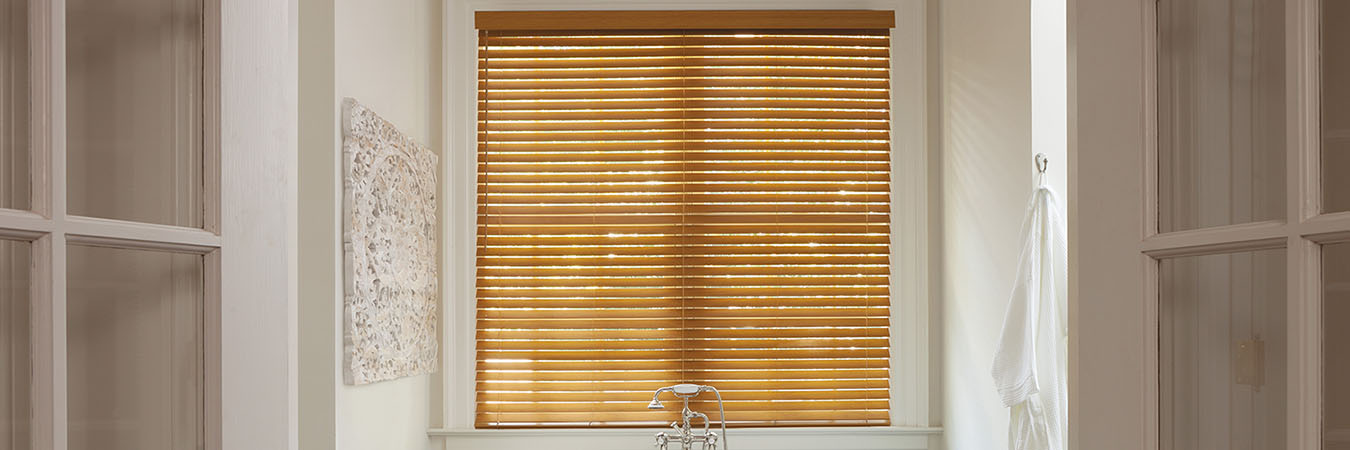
(255, 72)
(1115, 243)
(912, 381)
(807, 438)
(238, 211)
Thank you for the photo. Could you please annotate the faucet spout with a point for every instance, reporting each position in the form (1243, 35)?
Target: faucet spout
(683, 430)
(656, 403)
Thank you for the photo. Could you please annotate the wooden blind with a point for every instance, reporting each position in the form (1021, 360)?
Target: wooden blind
(659, 207)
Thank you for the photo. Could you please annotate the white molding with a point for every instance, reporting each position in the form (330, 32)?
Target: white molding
(911, 370)
(606, 432)
(211, 74)
(1322, 229)
(118, 233)
(1326, 228)
(910, 387)
(258, 289)
(211, 345)
(808, 438)
(460, 160)
(637, 5)
(1303, 178)
(48, 33)
(1225, 239)
(1340, 436)
(40, 17)
(15, 224)
(1150, 109)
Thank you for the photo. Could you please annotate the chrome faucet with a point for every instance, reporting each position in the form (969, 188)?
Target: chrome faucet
(683, 430)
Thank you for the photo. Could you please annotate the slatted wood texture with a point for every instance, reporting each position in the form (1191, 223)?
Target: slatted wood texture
(702, 19)
(662, 207)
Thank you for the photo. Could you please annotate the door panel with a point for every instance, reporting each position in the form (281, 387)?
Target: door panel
(14, 152)
(1108, 357)
(1335, 65)
(1220, 112)
(135, 349)
(1222, 347)
(127, 124)
(1336, 339)
(15, 357)
(134, 110)
(1128, 173)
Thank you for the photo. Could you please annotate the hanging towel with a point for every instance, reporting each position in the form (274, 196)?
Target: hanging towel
(1030, 366)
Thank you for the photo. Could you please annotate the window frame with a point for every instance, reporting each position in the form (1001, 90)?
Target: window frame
(912, 374)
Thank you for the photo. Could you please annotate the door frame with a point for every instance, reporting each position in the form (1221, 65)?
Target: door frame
(247, 241)
(1115, 246)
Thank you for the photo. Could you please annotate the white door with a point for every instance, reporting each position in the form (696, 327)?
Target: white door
(1211, 264)
(146, 195)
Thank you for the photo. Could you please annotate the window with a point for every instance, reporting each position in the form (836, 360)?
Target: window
(660, 204)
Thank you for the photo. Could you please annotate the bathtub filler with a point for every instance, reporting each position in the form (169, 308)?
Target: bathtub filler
(683, 432)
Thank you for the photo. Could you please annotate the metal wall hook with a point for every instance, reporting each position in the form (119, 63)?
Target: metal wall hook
(1042, 162)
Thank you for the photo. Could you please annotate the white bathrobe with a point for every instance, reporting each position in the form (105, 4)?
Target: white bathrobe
(1030, 366)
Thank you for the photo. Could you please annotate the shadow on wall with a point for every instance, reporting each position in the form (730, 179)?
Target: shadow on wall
(986, 181)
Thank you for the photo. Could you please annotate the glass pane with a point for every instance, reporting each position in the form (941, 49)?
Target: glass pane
(1221, 112)
(14, 180)
(1222, 351)
(135, 348)
(14, 356)
(1336, 337)
(1335, 106)
(134, 109)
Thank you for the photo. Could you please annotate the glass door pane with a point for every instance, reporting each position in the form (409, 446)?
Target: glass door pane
(135, 349)
(14, 176)
(1335, 106)
(134, 109)
(15, 360)
(1221, 112)
(1222, 351)
(1335, 340)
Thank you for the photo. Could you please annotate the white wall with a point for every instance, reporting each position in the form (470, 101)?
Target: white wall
(985, 119)
(387, 55)
(995, 116)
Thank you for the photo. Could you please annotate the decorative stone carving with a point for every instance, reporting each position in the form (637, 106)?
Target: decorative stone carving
(389, 232)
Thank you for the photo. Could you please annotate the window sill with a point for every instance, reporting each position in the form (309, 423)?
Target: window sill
(805, 438)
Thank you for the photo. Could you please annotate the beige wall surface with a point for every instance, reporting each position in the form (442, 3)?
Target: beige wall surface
(387, 55)
(986, 91)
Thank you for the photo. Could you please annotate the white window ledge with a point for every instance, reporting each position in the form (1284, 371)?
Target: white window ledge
(806, 438)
